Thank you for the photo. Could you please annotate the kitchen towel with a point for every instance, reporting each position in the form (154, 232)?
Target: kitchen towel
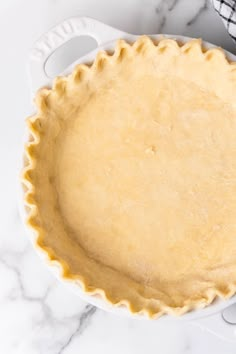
(227, 11)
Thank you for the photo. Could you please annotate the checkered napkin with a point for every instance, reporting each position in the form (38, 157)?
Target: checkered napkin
(227, 11)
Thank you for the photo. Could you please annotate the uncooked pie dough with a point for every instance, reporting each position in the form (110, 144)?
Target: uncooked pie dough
(131, 175)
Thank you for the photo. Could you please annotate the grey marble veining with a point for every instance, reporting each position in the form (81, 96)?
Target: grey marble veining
(38, 314)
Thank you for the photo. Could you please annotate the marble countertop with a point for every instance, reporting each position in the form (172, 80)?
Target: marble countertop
(38, 315)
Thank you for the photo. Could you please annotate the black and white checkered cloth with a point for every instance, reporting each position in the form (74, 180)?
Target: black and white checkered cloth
(227, 11)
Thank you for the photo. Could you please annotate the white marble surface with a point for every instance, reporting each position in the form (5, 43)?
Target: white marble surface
(37, 313)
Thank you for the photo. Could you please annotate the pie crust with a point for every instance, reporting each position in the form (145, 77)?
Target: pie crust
(130, 175)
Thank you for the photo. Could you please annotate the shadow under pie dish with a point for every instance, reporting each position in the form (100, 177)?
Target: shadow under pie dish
(130, 175)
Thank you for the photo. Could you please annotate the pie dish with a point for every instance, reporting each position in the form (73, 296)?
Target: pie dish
(130, 175)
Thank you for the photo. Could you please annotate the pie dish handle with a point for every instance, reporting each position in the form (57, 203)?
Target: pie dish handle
(59, 35)
(222, 324)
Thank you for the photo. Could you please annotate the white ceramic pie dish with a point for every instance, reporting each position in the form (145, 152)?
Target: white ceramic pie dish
(106, 36)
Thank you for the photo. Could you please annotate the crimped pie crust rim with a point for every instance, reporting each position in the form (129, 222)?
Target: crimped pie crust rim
(59, 86)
